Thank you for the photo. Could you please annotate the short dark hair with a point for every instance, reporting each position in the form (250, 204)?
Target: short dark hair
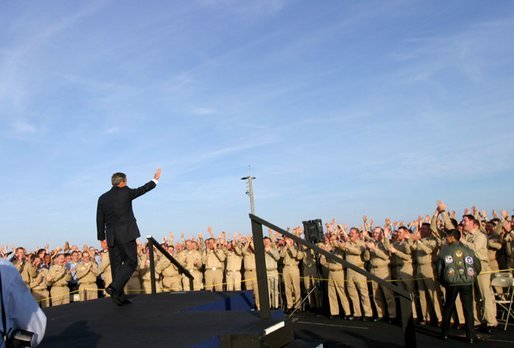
(118, 178)
(471, 217)
(453, 233)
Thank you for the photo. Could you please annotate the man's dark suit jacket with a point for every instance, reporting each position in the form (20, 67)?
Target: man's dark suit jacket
(115, 220)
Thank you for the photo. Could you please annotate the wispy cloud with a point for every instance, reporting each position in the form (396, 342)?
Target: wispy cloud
(24, 127)
(248, 7)
(203, 111)
(15, 84)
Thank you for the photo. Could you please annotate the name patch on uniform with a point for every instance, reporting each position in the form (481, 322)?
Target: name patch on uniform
(469, 260)
(448, 259)
(471, 272)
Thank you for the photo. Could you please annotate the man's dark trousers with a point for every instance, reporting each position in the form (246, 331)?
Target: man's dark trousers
(466, 297)
(123, 259)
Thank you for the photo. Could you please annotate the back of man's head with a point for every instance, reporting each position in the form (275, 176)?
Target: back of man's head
(453, 234)
(118, 178)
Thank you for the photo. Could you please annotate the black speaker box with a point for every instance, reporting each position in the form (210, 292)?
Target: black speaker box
(313, 231)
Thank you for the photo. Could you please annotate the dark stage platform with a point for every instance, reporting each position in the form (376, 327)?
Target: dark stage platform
(225, 319)
(192, 319)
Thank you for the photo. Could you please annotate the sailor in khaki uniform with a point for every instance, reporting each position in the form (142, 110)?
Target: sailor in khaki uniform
(425, 246)
(402, 257)
(146, 275)
(214, 261)
(234, 260)
(250, 269)
(87, 271)
(291, 256)
(58, 278)
(23, 265)
(171, 278)
(104, 270)
(310, 278)
(191, 259)
(380, 259)
(336, 288)
(271, 258)
(38, 285)
(477, 241)
(357, 254)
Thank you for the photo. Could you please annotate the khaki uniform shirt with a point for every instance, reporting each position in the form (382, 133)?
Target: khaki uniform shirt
(87, 272)
(379, 257)
(424, 250)
(189, 258)
(234, 259)
(248, 258)
(271, 258)
(291, 256)
(477, 241)
(39, 281)
(403, 255)
(214, 259)
(59, 275)
(356, 253)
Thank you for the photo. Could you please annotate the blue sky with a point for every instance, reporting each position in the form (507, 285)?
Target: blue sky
(342, 108)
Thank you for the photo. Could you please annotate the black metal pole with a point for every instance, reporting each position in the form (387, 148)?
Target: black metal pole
(408, 327)
(152, 266)
(260, 265)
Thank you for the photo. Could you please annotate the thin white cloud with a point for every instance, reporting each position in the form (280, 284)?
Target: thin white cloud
(112, 130)
(203, 111)
(253, 8)
(24, 127)
(14, 85)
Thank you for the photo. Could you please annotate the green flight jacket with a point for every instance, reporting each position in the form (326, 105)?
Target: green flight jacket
(457, 265)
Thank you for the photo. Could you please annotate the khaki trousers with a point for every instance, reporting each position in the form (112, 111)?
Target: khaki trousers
(383, 296)
(484, 284)
(251, 284)
(428, 294)
(147, 286)
(273, 288)
(356, 281)
(233, 279)
(406, 280)
(336, 291)
(197, 282)
(214, 279)
(292, 290)
(88, 291)
(172, 283)
(59, 295)
(42, 297)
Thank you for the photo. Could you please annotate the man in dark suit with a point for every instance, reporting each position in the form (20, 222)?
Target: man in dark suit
(117, 229)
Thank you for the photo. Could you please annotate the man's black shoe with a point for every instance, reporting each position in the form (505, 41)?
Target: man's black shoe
(124, 299)
(348, 317)
(444, 337)
(114, 295)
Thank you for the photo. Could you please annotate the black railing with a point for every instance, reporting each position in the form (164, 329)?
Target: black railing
(153, 243)
(406, 299)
